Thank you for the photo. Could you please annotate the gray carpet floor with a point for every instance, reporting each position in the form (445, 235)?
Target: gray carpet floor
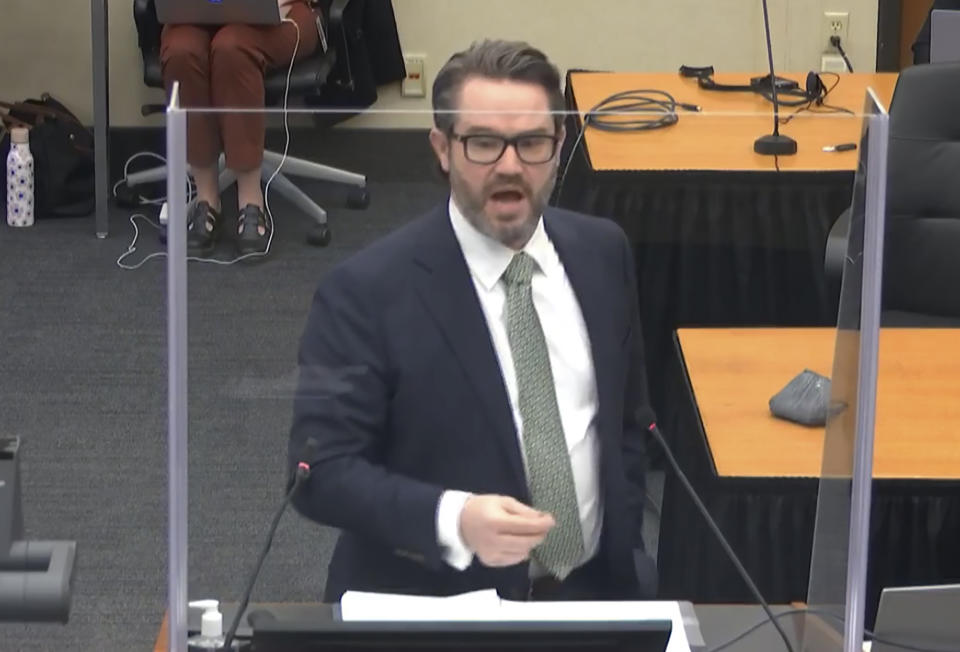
(84, 383)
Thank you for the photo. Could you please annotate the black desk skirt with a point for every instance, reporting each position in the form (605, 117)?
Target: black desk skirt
(746, 249)
(914, 526)
(718, 248)
(713, 248)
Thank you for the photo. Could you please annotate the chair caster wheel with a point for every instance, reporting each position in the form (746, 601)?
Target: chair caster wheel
(358, 198)
(319, 235)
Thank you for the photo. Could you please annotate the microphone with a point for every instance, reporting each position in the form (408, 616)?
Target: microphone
(301, 475)
(773, 144)
(645, 416)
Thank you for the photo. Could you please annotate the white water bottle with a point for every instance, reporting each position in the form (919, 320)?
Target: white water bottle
(19, 179)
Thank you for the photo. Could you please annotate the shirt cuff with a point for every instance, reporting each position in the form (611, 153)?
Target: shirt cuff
(453, 550)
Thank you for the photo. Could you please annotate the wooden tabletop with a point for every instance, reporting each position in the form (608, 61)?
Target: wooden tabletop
(734, 372)
(721, 138)
(162, 644)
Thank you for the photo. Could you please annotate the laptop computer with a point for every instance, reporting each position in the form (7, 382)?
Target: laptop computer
(218, 12)
(945, 36)
(918, 616)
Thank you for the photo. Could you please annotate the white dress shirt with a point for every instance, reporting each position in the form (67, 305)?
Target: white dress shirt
(571, 361)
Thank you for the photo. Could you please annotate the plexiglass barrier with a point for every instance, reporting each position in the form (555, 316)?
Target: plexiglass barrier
(389, 360)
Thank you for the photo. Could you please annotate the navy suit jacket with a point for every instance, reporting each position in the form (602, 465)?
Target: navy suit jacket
(401, 392)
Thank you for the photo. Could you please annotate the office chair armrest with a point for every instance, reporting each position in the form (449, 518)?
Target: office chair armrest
(336, 12)
(836, 249)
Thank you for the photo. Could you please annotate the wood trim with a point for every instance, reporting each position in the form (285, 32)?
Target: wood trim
(163, 636)
(912, 15)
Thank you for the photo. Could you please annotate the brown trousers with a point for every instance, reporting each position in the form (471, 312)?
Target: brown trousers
(224, 67)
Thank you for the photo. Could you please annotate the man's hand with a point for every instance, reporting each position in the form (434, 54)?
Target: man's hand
(500, 530)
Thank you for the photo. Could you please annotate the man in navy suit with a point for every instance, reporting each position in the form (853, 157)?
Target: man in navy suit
(470, 384)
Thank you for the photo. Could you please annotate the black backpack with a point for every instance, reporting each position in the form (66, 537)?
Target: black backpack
(62, 151)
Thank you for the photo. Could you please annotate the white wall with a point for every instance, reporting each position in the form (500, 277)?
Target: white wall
(45, 44)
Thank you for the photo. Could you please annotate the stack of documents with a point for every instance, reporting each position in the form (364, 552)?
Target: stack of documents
(488, 606)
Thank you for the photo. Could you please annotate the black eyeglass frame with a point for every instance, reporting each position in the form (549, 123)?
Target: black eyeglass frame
(505, 142)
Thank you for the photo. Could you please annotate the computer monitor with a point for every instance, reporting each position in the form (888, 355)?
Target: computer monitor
(918, 617)
(35, 576)
(492, 636)
(944, 36)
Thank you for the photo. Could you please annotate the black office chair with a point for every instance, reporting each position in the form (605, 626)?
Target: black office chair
(309, 76)
(922, 238)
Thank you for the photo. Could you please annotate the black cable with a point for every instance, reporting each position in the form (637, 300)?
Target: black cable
(573, 152)
(835, 42)
(636, 110)
(655, 431)
(654, 507)
(820, 102)
(819, 612)
(303, 472)
(608, 116)
(750, 630)
(802, 97)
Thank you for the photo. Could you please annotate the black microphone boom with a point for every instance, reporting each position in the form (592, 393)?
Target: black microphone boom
(773, 144)
(300, 476)
(645, 416)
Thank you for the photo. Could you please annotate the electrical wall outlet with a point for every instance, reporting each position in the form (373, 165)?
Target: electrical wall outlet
(415, 83)
(836, 23)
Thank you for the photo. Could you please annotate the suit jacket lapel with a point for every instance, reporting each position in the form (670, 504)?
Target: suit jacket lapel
(446, 288)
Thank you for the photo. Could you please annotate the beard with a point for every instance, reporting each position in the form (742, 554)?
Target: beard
(516, 232)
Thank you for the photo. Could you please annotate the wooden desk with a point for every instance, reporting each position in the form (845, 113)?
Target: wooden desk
(725, 142)
(734, 372)
(758, 475)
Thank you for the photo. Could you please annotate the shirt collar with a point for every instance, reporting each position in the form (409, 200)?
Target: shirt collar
(487, 258)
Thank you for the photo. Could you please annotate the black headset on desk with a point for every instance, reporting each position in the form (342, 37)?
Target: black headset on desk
(789, 92)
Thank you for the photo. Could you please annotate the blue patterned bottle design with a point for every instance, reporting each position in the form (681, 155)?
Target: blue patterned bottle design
(19, 179)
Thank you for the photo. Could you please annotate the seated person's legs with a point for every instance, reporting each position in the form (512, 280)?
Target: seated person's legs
(239, 56)
(185, 57)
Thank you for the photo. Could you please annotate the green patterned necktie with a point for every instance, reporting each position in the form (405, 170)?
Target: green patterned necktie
(549, 474)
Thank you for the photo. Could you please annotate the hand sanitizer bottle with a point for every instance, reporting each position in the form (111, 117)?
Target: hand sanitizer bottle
(211, 627)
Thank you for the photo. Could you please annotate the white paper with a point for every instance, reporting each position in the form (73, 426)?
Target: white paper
(487, 606)
(477, 605)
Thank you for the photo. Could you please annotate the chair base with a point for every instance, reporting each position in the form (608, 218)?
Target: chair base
(292, 166)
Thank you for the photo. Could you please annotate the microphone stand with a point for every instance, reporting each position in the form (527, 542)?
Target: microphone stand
(774, 144)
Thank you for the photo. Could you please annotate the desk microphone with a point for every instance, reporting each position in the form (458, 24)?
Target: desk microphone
(300, 476)
(773, 144)
(645, 416)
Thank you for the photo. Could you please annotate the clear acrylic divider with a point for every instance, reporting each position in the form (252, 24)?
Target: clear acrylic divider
(838, 570)
(234, 374)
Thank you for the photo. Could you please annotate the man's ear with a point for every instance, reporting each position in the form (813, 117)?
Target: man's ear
(440, 143)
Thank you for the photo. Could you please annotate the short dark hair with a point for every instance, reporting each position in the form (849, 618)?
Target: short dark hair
(494, 59)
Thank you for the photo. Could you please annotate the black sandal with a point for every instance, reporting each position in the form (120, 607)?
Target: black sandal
(203, 228)
(249, 225)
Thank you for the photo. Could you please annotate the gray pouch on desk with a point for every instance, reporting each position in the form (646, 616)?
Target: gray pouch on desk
(804, 400)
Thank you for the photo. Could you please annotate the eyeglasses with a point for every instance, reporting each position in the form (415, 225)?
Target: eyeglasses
(486, 149)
